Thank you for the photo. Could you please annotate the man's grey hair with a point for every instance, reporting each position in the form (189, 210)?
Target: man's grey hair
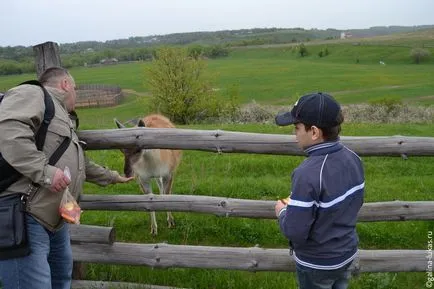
(52, 75)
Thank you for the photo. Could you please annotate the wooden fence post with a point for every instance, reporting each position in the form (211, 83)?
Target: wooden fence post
(46, 56)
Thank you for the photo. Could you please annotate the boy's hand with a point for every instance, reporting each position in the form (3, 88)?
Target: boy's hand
(278, 207)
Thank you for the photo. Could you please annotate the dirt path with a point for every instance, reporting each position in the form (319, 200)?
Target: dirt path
(367, 89)
(132, 91)
(425, 97)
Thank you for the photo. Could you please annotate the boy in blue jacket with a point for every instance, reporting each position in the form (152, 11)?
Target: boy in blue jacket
(326, 195)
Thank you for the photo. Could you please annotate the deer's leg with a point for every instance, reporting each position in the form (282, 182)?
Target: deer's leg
(145, 185)
(167, 185)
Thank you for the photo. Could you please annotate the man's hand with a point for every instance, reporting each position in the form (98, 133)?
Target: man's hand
(60, 182)
(121, 179)
(279, 206)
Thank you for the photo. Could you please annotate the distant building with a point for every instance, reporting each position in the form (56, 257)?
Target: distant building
(109, 61)
(345, 35)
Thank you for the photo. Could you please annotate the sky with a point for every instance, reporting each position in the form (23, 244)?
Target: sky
(31, 22)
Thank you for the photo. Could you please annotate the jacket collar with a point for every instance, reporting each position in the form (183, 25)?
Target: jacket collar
(323, 148)
(58, 94)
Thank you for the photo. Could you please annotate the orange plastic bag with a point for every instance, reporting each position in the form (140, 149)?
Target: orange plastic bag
(69, 209)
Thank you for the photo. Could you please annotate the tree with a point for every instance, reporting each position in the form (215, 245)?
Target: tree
(302, 50)
(179, 87)
(195, 51)
(323, 52)
(419, 55)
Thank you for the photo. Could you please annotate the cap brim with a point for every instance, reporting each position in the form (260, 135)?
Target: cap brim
(284, 118)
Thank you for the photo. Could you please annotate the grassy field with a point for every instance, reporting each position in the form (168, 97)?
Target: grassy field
(268, 178)
(277, 75)
(271, 76)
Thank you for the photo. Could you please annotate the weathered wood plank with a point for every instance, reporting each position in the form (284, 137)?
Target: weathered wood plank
(232, 258)
(228, 207)
(85, 284)
(239, 142)
(91, 234)
(46, 56)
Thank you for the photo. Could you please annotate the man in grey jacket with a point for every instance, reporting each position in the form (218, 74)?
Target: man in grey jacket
(49, 264)
(327, 191)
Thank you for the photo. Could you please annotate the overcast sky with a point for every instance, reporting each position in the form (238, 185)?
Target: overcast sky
(30, 22)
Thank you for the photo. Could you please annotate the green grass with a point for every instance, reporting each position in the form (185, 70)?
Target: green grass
(278, 75)
(268, 178)
(272, 76)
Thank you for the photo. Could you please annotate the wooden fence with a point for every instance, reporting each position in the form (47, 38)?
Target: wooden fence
(229, 207)
(98, 95)
(238, 142)
(97, 245)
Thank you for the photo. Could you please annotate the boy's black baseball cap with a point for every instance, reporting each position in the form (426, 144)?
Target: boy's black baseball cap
(318, 109)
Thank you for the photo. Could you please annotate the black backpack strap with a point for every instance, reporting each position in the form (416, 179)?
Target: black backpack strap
(42, 132)
(59, 151)
(48, 115)
(56, 156)
(8, 174)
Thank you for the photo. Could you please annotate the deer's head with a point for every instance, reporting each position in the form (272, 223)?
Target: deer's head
(131, 155)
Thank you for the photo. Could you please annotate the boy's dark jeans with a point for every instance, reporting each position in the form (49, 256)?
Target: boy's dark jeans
(309, 278)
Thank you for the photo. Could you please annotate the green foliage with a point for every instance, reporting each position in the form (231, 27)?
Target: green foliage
(8, 67)
(419, 55)
(302, 50)
(323, 52)
(216, 51)
(180, 88)
(390, 104)
(195, 51)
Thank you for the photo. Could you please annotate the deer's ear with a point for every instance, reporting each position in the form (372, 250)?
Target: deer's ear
(141, 123)
(118, 124)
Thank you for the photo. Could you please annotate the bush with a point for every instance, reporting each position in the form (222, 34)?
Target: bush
(419, 55)
(302, 50)
(323, 52)
(216, 51)
(180, 88)
(8, 67)
(391, 105)
(195, 51)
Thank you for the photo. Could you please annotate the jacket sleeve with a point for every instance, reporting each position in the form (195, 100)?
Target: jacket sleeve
(297, 218)
(21, 113)
(98, 174)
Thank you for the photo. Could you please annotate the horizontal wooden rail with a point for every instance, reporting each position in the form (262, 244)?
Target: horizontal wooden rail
(220, 206)
(232, 258)
(87, 284)
(91, 234)
(239, 142)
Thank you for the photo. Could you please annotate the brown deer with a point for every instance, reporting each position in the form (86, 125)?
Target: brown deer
(148, 164)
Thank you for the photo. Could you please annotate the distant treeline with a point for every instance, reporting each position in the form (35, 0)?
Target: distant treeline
(26, 64)
(20, 59)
